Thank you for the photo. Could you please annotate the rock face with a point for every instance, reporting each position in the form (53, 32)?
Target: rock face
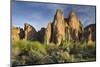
(69, 29)
(74, 21)
(22, 33)
(17, 33)
(48, 33)
(30, 32)
(89, 33)
(41, 35)
(58, 27)
(67, 32)
(75, 26)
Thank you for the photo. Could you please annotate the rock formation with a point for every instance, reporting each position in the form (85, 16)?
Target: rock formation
(69, 29)
(30, 32)
(75, 25)
(41, 35)
(89, 33)
(48, 33)
(58, 27)
(67, 32)
(17, 33)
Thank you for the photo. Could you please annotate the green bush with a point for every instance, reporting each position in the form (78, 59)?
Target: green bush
(33, 52)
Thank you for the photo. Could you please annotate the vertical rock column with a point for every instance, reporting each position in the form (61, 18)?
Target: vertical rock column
(58, 27)
(48, 33)
(75, 25)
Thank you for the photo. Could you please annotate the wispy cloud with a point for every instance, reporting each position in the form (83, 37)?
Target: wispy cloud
(39, 14)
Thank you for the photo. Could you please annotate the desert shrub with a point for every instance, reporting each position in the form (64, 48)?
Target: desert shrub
(51, 47)
(83, 52)
(63, 44)
(27, 52)
(33, 52)
(59, 54)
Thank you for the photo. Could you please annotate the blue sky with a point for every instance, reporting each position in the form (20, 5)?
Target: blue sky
(40, 14)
